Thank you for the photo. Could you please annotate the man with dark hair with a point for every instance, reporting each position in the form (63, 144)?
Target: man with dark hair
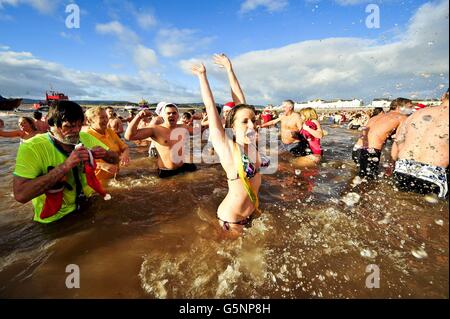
(50, 168)
(187, 119)
(367, 151)
(41, 126)
(376, 111)
(421, 151)
(168, 138)
(114, 122)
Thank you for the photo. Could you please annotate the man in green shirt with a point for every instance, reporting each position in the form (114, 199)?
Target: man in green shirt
(48, 165)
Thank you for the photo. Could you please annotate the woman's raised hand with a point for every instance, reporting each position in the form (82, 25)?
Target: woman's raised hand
(222, 61)
(198, 69)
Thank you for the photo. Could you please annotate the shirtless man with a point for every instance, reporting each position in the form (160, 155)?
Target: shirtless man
(291, 124)
(421, 149)
(170, 155)
(367, 151)
(113, 122)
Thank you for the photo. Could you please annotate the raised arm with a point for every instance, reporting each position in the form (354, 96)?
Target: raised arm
(17, 133)
(273, 122)
(236, 92)
(133, 133)
(215, 124)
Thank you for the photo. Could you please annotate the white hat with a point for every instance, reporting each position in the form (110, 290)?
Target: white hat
(162, 106)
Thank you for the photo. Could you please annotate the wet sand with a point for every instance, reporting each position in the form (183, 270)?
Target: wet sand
(160, 239)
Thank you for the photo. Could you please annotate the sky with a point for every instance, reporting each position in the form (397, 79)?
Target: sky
(280, 49)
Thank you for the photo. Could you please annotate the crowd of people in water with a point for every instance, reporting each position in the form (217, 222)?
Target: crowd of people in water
(69, 154)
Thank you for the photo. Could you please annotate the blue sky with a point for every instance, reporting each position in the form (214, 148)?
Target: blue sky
(131, 49)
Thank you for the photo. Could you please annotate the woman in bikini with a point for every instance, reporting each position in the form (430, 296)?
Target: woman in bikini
(236, 147)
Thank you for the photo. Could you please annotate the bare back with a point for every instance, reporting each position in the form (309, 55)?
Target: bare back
(379, 128)
(424, 137)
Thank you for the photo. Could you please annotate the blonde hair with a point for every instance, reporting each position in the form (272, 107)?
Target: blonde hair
(309, 113)
(92, 112)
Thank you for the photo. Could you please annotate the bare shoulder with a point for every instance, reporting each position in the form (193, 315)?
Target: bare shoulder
(295, 116)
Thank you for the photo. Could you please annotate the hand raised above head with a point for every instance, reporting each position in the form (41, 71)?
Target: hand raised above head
(198, 69)
(222, 61)
(144, 113)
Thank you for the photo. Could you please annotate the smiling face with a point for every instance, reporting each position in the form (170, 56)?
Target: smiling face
(99, 121)
(171, 115)
(287, 106)
(244, 126)
(24, 125)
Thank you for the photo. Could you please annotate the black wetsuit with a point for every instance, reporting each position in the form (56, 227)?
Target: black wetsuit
(186, 167)
(368, 160)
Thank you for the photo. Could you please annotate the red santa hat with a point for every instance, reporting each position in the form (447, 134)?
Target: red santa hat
(228, 106)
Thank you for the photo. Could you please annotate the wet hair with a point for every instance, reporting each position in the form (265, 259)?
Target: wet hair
(30, 121)
(309, 113)
(186, 115)
(377, 111)
(109, 108)
(37, 115)
(358, 115)
(232, 114)
(64, 111)
(93, 111)
(398, 103)
(192, 112)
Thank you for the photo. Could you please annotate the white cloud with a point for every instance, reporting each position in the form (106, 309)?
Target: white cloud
(143, 57)
(117, 9)
(416, 62)
(117, 29)
(146, 20)
(43, 6)
(353, 2)
(173, 42)
(269, 5)
(3, 3)
(71, 36)
(24, 75)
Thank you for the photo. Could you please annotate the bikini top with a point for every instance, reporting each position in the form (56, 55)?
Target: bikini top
(249, 168)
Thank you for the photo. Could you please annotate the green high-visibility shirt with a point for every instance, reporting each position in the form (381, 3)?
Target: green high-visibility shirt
(34, 158)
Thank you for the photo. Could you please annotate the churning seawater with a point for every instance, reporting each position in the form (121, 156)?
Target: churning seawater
(319, 231)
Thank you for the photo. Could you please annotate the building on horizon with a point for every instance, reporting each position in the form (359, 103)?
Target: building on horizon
(335, 104)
